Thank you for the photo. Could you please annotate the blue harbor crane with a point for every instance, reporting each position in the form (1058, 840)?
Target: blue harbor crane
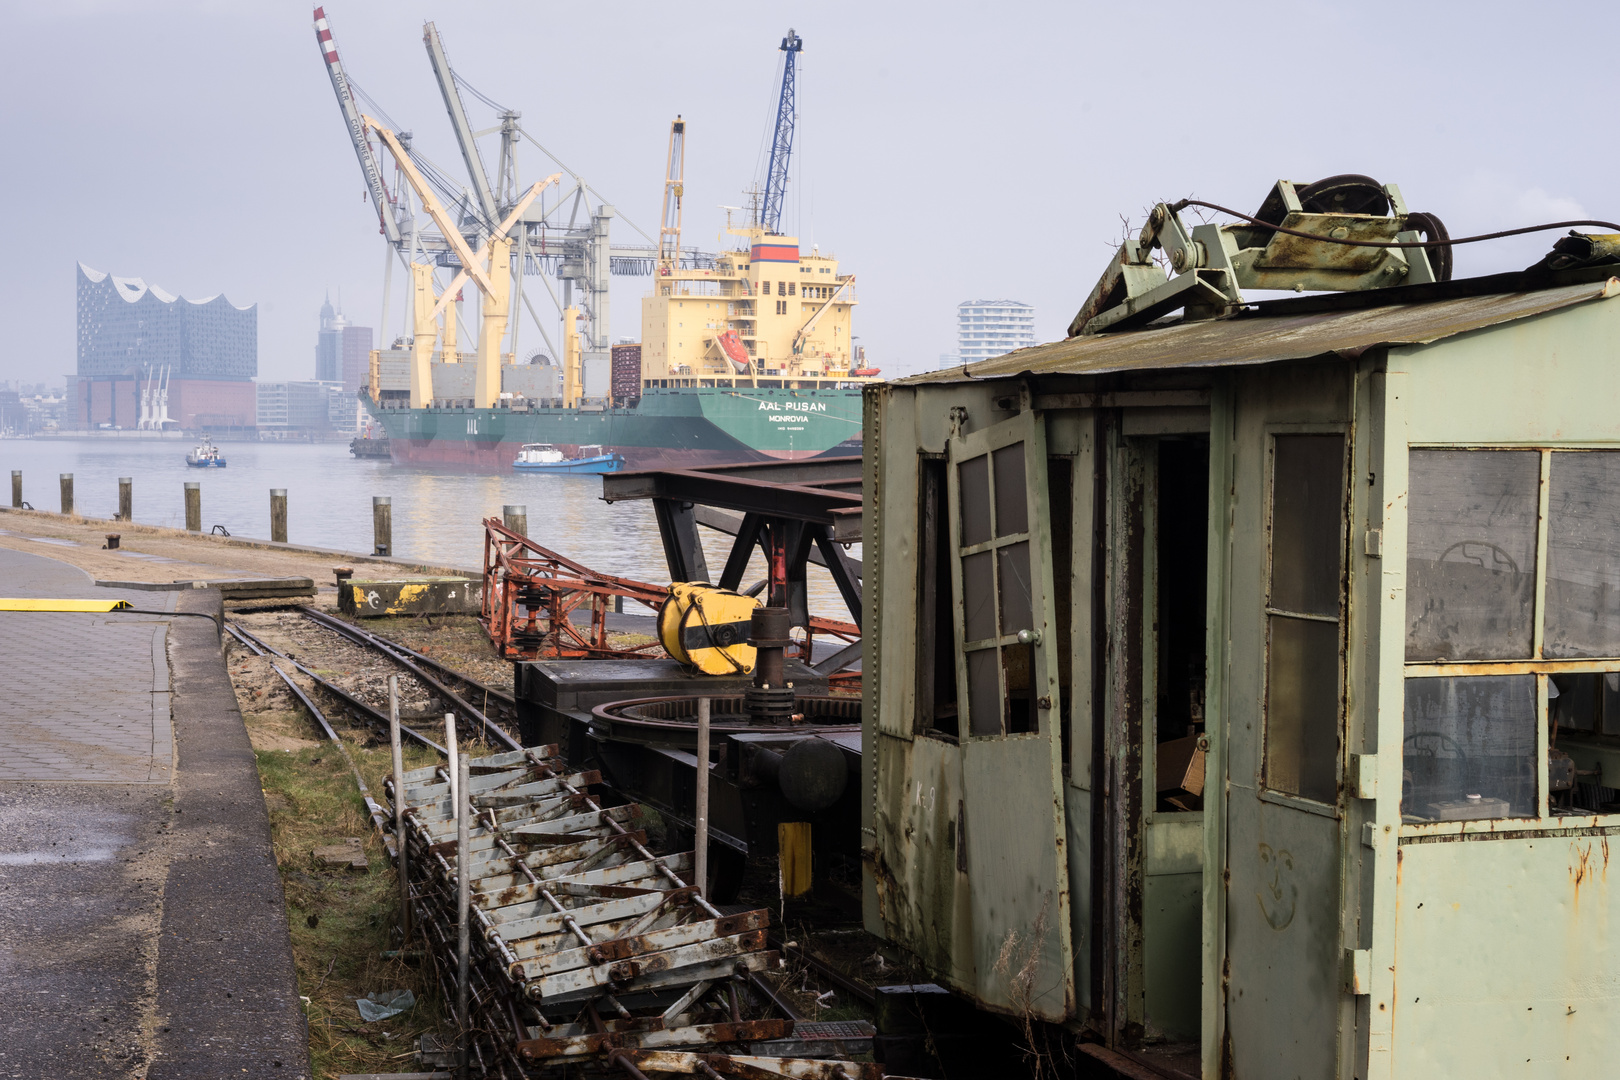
(776, 175)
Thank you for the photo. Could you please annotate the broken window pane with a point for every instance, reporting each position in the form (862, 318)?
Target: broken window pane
(978, 610)
(984, 692)
(1302, 708)
(1469, 750)
(1307, 502)
(1572, 701)
(1471, 554)
(973, 477)
(1012, 565)
(1012, 499)
(1017, 668)
(1583, 556)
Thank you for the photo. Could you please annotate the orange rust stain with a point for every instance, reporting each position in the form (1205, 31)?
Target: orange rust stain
(1604, 839)
(1580, 869)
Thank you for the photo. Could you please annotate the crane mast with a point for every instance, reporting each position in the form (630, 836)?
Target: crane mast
(357, 134)
(669, 232)
(776, 173)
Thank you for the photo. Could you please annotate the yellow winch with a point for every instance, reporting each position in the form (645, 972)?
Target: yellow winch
(708, 627)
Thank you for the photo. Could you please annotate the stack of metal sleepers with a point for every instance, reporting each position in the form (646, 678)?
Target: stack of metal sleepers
(588, 954)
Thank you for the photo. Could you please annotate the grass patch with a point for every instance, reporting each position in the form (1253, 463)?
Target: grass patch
(343, 921)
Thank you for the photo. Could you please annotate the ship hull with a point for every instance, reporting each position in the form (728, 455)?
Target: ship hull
(667, 429)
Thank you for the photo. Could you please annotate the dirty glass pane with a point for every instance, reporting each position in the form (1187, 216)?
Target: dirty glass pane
(984, 692)
(1012, 563)
(1012, 499)
(973, 477)
(1307, 499)
(1583, 556)
(978, 606)
(1017, 670)
(1469, 750)
(1302, 708)
(1471, 554)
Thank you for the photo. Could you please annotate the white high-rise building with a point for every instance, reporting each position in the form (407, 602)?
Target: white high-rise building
(987, 328)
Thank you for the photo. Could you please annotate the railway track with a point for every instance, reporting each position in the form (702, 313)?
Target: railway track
(471, 722)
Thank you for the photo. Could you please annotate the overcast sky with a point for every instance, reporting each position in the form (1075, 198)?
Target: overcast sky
(946, 151)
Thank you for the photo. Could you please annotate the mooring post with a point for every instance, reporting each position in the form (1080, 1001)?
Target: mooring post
(67, 493)
(401, 840)
(193, 506)
(126, 498)
(700, 842)
(16, 489)
(463, 908)
(278, 517)
(382, 524)
(516, 518)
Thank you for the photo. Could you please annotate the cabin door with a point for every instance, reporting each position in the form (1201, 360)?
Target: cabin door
(1011, 821)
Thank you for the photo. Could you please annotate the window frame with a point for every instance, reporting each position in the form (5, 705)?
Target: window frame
(1267, 612)
(961, 449)
(1536, 664)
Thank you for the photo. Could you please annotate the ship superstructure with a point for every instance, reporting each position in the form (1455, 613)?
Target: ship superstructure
(767, 315)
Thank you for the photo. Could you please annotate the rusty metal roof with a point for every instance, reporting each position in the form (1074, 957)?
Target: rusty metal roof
(1259, 338)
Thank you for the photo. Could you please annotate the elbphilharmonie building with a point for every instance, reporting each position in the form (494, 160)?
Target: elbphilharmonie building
(129, 329)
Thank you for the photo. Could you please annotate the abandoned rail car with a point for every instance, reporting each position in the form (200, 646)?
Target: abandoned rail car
(1242, 692)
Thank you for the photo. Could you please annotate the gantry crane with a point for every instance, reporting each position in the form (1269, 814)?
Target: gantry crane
(776, 173)
(490, 268)
(669, 231)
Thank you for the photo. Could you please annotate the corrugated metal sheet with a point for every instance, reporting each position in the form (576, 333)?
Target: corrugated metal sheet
(1257, 339)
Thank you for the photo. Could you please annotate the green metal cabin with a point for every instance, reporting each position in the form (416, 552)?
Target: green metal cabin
(1243, 694)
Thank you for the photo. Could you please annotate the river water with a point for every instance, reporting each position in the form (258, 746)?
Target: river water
(438, 516)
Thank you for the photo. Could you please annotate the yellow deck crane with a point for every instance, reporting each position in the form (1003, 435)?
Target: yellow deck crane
(810, 324)
(490, 268)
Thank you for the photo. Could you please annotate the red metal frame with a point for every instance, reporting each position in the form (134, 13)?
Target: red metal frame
(531, 592)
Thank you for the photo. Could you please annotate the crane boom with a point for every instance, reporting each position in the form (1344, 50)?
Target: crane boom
(776, 173)
(458, 120)
(431, 204)
(669, 233)
(357, 133)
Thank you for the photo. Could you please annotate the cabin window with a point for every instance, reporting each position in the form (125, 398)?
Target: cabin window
(781, 288)
(791, 286)
(1471, 554)
(994, 549)
(1302, 616)
(1513, 621)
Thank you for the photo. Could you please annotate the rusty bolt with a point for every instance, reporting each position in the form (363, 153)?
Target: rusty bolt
(1179, 258)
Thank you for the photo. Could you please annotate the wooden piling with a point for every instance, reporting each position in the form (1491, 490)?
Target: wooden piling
(382, 524)
(278, 515)
(16, 489)
(516, 518)
(193, 506)
(126, 498)
(67, 493)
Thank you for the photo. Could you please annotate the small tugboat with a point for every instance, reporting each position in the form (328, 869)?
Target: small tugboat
(544, 457)
(205, 456)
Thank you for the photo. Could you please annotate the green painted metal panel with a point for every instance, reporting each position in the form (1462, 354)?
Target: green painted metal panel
(1505, 958)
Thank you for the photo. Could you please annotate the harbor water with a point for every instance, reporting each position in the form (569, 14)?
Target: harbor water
(437, 516)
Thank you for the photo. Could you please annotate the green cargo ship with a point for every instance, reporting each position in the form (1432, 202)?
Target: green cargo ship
(667, 428)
